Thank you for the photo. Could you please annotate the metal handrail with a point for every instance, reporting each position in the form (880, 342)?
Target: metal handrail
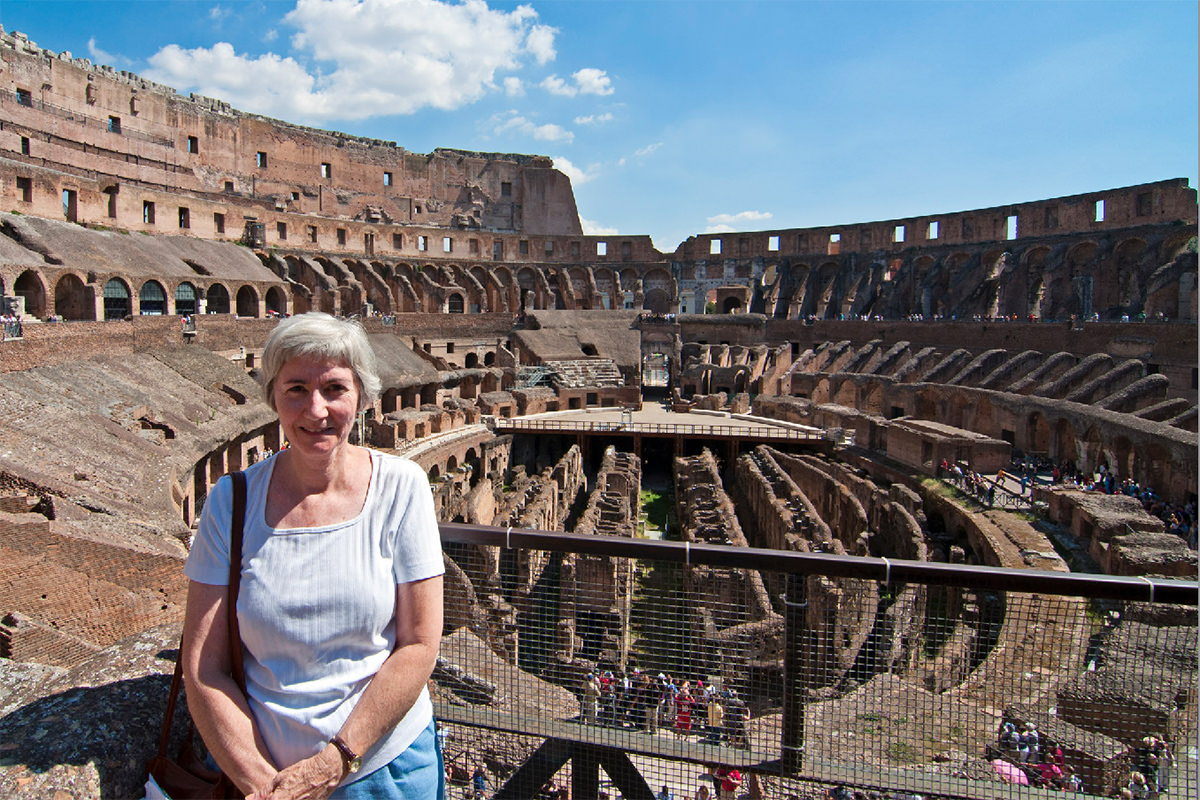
(661, 428)
(1114, 587)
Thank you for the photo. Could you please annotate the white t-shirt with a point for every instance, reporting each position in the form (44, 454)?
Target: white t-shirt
(316, 607)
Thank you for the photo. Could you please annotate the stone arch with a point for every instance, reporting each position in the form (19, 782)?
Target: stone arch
(29, 285)
(820, 394)
(435, 474)
(1123, 451)
(606, 288)
(1093, 450)
(490, 300)
(471, 361)
(455, 303)
(529, 290)
(116, 299)
(73, 299)
(216, 299)
(980, 417)
(247, 301)
(1065, 446)
(581, 293)
(732, 305)
(185, 299)
(928, 405)
(871, 398)
(1037, 434)
(152, 299)
(276, 301)
(825, 304)
(451, 464)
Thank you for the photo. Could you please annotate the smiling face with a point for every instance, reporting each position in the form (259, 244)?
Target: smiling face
(316, 400)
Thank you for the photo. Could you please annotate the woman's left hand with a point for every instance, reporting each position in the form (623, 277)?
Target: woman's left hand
(311, 779)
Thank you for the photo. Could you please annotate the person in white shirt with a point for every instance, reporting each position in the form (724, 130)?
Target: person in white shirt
(340, 604)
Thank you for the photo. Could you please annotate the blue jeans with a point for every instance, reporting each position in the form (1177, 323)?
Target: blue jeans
(416, 774)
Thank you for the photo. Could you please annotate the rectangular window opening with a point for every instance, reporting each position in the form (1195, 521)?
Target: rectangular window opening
(114, 124)
(326, 170)
(773, 244)
(147, 212)
(1099, 216)
(506, 189)
(473, 246)
(523, 247)
(574, 250)
(260, 160)
(898, 234)
(397, 241)
(112, 205)
(312, 234)
(193, 144)
(25, 148)
(601, 248)
(498, 250)
(933, 231)
(185, 218)
(387, 179)
(549, 247)
(1010, 226)
(229, 187)
(714, 247)
(1145, 204)
(341, 237)
(219, 223)
(422, 243)
(281, 231)
(25, 98)
(447, 244)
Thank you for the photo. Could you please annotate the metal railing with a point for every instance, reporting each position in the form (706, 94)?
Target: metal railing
(710, 430)
(622, 665)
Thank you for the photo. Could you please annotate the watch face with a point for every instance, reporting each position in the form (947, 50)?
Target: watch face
(355, 764)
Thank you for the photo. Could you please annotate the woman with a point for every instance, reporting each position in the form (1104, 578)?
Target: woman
(340, 605)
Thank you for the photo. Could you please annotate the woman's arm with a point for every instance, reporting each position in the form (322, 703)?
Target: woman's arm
(218, 707)
(386, 699)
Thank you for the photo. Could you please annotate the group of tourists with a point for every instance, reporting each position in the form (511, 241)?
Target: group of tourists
(649, 703)
(1150, 777)
(1042, 760)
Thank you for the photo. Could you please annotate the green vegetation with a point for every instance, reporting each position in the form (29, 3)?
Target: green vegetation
(658, 510)
(902, 753)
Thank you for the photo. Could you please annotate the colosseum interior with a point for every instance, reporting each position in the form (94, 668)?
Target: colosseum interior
(149, 241)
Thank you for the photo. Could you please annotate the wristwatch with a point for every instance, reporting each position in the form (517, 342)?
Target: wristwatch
(351, 759)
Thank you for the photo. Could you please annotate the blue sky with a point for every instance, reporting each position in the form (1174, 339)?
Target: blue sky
(678, 118)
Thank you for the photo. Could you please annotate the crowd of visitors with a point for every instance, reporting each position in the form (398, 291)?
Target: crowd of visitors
(640, 701)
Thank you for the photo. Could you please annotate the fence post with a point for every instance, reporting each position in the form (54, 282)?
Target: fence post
(796, 641)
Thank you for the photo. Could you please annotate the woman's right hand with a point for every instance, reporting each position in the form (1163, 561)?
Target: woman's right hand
(313, 778)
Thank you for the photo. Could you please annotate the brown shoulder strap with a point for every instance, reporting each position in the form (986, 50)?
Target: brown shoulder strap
(235, 637)
(235, 577)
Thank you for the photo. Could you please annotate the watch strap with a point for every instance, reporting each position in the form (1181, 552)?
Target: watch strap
(350, 759)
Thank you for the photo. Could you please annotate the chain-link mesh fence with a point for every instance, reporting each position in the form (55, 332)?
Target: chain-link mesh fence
(699, 667)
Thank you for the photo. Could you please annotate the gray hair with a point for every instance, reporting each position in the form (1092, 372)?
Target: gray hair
(318, 334)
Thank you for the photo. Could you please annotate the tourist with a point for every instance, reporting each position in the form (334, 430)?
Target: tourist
(665, 793)
(478, 783)
(683, 711)
(591, 699)
(338, 641)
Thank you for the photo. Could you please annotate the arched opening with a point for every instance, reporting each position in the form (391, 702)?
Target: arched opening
(454, 304)
(731, 306)
(116, 300)
(1038, 434)
(276, 301)
(247, 302)
(29, 286)
(185, 299)
(152, 299)
(72, 299)
(216, 300)
(471, 361)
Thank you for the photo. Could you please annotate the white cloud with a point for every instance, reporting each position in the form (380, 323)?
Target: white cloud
(593, 81)
(588, 80)
(593, 228)
(353, 59)
(513, 86)
(576, 174)
(725, 223)
(514, 122)
(99, 56)
(594, 119)
(649, 149)
(271, 35)
(556, 85)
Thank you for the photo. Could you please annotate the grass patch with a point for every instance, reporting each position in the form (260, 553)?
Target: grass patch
(902, 753)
